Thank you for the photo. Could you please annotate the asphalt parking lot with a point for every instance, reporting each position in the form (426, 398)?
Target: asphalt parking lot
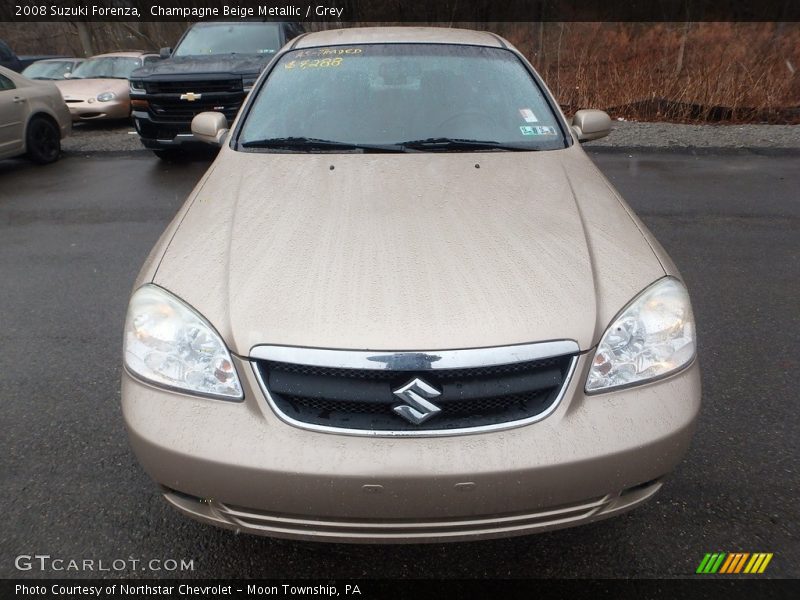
(72, 238)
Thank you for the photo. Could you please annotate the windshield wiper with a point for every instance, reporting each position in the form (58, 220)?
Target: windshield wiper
(307, 143)
(444, 143)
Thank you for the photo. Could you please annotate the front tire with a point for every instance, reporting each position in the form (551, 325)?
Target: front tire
(43, 140)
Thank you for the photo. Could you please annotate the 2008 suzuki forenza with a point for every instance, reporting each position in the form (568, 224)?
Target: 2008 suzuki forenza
(403, 305)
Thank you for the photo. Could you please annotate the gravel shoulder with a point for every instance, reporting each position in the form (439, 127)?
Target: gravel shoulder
(627, 135)
(116, 136)
(666, 136)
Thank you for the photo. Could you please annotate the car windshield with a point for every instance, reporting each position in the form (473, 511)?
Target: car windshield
(230, 38)
(400, 97)
(110, 67)
(54, 69)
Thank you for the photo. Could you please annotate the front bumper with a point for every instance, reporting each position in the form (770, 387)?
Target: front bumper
(239, 466)
(161, 135)
(83, 110)
(164, 133)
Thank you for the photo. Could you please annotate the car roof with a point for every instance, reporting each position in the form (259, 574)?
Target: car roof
(399, 35)
(126, 54)
(60, 59)
(239, 22)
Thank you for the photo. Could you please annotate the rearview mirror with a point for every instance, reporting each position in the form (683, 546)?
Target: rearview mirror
(210, 127)
(591, 124)
(165, 52)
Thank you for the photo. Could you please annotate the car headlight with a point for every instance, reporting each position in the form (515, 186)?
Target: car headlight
(652, 337)
(137, 87)
(106, 96)
(167, 343)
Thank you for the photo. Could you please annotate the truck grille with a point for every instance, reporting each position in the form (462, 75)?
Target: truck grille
(365, 399)
(182, 111)
(198, 87)
(173, 115)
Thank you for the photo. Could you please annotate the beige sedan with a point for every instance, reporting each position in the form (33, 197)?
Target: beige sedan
(403, 305)
(98, 88)
(33, 118)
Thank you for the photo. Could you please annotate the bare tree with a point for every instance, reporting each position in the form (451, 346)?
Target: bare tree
(85, 36)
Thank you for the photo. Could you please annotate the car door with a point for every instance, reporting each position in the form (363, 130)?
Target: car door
(13, 113)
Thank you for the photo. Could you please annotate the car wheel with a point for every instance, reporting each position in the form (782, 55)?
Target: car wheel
(43, 140)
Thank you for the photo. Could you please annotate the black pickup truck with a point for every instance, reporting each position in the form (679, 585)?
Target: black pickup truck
(213, 67)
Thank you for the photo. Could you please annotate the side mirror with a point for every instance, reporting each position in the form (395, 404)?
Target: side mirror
(210, 127)
(591, 125)
(165, 53)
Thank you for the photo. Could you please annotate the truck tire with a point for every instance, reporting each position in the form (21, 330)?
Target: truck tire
(43, 140)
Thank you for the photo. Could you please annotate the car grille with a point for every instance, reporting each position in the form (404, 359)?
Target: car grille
(198, 87)
(364, 399)
(408, 528)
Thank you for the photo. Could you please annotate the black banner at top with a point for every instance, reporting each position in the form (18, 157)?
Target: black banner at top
(401, 10)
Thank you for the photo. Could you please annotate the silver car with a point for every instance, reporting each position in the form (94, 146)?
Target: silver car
(403, 305)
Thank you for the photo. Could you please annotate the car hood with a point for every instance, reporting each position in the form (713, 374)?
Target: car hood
(406, 251)
(185, 66)
(80, 88)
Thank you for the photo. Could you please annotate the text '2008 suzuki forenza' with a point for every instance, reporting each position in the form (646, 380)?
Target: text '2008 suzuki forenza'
(403, 305)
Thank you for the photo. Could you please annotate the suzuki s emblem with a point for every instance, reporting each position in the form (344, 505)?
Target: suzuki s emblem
(415, 395)
(191, 96)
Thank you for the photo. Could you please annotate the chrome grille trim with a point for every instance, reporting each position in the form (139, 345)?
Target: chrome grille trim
(446, 359)
(414, 361)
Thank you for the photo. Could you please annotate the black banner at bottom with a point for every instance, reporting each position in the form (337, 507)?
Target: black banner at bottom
(366, 589)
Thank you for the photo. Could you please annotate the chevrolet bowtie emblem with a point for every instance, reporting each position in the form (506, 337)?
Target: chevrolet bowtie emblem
(191, 96)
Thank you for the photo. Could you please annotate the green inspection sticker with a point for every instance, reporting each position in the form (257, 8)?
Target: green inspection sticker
(537, 130)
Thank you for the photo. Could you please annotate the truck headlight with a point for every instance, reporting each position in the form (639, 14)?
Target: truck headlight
(106, 97)
(137, 86)
(167, 343)
(652, 337)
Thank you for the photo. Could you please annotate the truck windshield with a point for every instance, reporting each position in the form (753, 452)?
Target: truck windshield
(230, 38)
(401, 97)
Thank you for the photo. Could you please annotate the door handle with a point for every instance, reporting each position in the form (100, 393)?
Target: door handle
(18, 100)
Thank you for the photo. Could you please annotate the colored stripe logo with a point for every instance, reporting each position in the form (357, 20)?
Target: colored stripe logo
(732, 563)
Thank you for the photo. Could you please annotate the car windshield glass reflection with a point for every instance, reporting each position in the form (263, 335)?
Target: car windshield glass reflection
(48, 70)
(401, 97)
(118, 67)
